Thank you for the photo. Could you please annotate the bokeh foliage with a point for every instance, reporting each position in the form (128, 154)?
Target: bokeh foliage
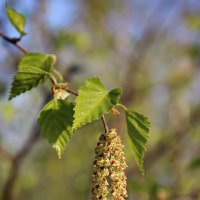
(151, 49)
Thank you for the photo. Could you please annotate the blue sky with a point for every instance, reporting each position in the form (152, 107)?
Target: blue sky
(59, 14)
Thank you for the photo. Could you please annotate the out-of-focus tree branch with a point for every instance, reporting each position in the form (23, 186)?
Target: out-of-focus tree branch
(18, 159)
(14, 41)
(149, 36)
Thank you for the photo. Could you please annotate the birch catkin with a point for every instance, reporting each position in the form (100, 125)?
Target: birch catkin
(108, 168)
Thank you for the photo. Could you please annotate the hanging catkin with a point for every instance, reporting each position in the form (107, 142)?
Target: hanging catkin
(108, 167)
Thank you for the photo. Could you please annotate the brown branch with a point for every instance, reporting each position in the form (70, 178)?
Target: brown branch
(14, 41)
(104, 123)
(17, 161)
(72, 92)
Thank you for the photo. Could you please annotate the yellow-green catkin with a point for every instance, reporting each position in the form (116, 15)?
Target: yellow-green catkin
(108, 168)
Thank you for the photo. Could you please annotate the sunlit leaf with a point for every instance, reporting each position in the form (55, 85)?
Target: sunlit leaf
(34, 68)
(55, 121)
(17, 20)
(93, 101)
(138, 131)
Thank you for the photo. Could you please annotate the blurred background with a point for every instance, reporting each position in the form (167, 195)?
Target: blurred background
(150, 48)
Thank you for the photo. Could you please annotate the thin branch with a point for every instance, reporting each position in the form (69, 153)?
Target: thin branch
(21, 155)
(72, 92)
(14, 41)
(22, 49)
(17, 161)
(102, 117)
(7, 193)
(104, 124)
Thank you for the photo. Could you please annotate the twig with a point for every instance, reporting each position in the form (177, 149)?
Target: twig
(14, 41)
(102, 117)
(22, 49)
(17, 160)
(72, 92)
(105, 124)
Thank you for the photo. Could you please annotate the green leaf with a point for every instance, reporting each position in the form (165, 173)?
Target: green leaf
(138, 131)
(195, 163)
(33, 69)
(17, 20)
(55, 122)
(93, 101)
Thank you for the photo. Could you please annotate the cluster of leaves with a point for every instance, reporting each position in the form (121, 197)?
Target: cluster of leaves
(59, 118)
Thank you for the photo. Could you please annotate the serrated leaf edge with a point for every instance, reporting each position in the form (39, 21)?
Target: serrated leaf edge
(83, 123)
(40, 81)
(107, 92)
(140, 164)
